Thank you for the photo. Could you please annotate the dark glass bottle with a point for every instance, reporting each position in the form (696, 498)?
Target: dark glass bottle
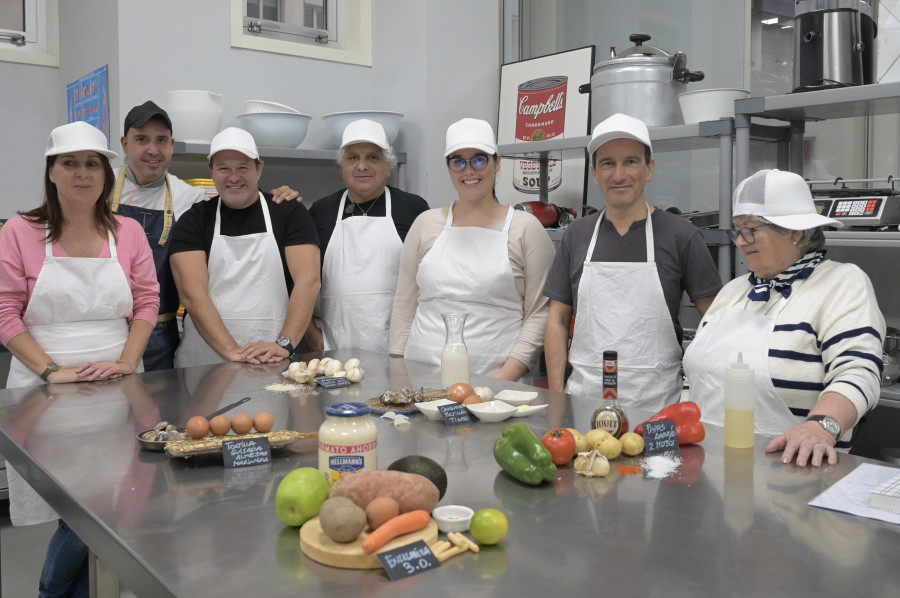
(609, 416)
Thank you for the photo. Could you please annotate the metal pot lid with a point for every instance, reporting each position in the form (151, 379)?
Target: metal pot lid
(639, 54)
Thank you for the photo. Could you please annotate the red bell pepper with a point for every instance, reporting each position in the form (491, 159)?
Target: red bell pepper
(686, 417)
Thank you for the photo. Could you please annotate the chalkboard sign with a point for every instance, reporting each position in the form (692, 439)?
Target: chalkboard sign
(660, 437)
(406, 561)
(333, 382)
(455, 415)
(242, 452)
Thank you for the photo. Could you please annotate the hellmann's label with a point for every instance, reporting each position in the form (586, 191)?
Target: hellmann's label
(337, 461)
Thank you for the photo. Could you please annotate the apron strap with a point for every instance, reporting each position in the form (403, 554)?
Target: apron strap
(168, 210)
(648, 231)
(217, 229)
(110, 238)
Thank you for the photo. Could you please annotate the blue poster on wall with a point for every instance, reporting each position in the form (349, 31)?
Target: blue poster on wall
(87, 99)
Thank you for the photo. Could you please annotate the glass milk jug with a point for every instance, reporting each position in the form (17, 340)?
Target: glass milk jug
(455, 357)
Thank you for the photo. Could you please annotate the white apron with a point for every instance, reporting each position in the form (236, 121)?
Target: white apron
(247, 287)
(77, 315)
(468, 270)
(621, 307)
(359, 279)
(716, 347)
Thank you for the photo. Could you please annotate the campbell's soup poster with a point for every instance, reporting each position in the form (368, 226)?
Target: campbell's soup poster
(87, 99)
(539, 102)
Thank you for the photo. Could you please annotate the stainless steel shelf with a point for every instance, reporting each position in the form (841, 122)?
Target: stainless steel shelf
(844, 102)
(665, 139)
(862, 239)
(272, 154)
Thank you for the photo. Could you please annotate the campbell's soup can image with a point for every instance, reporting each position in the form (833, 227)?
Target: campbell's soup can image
(540, 115)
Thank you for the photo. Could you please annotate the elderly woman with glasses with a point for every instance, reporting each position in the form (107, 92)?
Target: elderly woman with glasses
(474, 256)
(810, 328)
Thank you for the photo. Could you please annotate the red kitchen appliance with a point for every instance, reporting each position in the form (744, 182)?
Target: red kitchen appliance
(548, 214)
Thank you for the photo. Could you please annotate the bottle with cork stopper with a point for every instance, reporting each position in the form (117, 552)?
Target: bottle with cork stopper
(609, 416)
(740, 393)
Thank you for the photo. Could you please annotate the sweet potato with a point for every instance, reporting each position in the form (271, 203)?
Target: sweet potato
(411, 490)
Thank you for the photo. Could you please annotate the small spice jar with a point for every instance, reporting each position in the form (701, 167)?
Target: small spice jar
(348, 441)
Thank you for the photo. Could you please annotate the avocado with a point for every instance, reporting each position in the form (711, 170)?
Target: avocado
(424, 467)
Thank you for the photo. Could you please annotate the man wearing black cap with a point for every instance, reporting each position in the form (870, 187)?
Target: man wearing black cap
(146, 192)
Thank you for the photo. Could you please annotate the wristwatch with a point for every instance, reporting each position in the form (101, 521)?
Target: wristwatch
(285, 343)
(830, 424)
(51, 367)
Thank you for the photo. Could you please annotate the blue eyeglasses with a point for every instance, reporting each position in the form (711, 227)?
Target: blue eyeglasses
(477, 162)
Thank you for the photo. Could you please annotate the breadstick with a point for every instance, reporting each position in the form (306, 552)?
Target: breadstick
(474, 547)
(451, 552)
(456, 539)
(440, 546)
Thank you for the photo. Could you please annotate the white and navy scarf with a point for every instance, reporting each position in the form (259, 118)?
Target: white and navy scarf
(801, 269)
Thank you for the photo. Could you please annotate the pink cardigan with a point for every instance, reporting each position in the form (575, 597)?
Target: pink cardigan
(22, 252)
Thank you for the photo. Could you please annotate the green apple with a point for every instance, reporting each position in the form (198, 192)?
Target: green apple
(300, 495)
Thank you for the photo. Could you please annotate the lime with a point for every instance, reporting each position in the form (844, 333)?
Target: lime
(489, 526)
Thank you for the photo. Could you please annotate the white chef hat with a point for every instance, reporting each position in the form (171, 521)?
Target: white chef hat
(471, 133)
(365, 131)
(78, 136)
(783, 198)
(619, 126)
(235, 139)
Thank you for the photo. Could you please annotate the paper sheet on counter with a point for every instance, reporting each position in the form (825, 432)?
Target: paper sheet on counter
(851, 494)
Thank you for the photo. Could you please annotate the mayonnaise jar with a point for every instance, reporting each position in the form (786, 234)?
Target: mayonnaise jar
(348, 441)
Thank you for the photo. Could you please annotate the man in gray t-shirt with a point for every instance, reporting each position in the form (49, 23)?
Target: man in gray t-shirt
(632, 302)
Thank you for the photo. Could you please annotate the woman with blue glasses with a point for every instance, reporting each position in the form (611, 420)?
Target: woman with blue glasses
(809, 327)
(475, 256)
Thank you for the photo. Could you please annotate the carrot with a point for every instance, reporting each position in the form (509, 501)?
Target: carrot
(404, 523)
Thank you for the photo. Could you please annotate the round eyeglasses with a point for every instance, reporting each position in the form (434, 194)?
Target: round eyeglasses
(477, 162)
(748, 234)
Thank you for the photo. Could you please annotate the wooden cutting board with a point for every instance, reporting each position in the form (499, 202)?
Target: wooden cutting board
(319, 547)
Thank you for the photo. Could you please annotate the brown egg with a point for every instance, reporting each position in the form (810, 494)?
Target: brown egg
(380, 510)
(241, 423)
(471, 400)
(197, 427)
(220, 425)
(263, 421)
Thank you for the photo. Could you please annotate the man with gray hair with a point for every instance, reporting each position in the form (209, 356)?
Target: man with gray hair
(361, 230)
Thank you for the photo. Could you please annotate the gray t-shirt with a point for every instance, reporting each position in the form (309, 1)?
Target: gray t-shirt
(683, 260)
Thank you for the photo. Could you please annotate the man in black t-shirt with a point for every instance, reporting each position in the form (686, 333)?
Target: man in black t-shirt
(361, 230)
(246, 268)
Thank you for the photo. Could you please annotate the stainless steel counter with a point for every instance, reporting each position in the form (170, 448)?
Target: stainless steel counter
(730, 523)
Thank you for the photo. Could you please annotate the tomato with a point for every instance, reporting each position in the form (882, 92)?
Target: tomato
(489, 526)
(561, 444)
(460, 391)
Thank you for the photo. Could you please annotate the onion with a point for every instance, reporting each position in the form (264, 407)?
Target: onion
(459, 391)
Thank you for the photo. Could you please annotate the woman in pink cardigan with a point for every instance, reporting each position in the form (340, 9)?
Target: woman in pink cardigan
(78, 300)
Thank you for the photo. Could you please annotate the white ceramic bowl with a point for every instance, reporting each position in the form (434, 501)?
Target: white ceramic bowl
(264, 106)
(526, 410)
(338, 121)
(430, 408)
(196, 114)
(452, 518)
(516, 397)
(275, 129)
(492, 411)
(709, 104)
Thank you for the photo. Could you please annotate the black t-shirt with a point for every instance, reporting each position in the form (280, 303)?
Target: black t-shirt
(405, 207)
(291, 225)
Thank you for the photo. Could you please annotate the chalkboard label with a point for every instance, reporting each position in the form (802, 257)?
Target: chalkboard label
(333, 382)
(660, 437)
(242, 452)
(455, 415)
(408, 560)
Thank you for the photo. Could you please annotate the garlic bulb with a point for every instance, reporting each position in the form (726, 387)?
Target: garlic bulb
(485, 393)
(313, 366)
(354, 374)
(331, 367)
(352, 363)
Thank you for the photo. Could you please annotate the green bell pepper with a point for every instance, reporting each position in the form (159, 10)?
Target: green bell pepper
(522, 456)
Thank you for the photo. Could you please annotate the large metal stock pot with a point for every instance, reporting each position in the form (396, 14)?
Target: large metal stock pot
(641, 81)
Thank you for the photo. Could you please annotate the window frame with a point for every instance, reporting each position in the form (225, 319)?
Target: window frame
(353, 31)
(41, 36)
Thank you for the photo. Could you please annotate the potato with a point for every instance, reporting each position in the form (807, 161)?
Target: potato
(411, 490)
(341, 519)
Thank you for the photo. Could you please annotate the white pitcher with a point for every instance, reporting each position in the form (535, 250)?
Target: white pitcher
(196, 114)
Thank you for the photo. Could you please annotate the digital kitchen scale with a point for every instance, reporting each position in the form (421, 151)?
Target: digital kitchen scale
(863, 210)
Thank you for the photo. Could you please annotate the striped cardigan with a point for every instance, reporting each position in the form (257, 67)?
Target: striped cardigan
(827, 338)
